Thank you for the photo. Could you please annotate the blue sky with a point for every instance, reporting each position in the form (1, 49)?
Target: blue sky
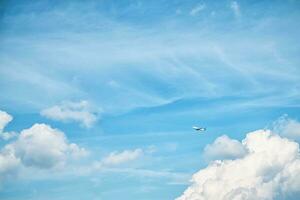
(126, 81)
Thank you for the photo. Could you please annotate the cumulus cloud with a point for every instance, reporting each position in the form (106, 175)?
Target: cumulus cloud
(269, 170)
(81, 112)
(5, 118)
(224, 148)
(44, 147)
(40, 147)
(9, 164)
(235, 8)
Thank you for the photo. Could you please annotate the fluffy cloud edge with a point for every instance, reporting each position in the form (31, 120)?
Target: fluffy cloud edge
(5, 118)
(42, 146)
(38, 147)
(224, 148)
(264, 172)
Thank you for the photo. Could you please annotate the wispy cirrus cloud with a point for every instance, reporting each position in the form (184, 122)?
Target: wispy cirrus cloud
(131, 54)
(201, 53)
(174, 178)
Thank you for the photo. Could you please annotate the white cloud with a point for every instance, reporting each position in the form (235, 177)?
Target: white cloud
(44, 147)
(235, 8)
(116, 161)
(197, 9)
(136, 47)
(287, 127)
(270, 170)
(81, 112)
(5, 118)
(224, 148)
(116, 158)
(39, 147)
(9, 164)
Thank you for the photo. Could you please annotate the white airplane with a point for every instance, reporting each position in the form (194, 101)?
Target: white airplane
(199, 128)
